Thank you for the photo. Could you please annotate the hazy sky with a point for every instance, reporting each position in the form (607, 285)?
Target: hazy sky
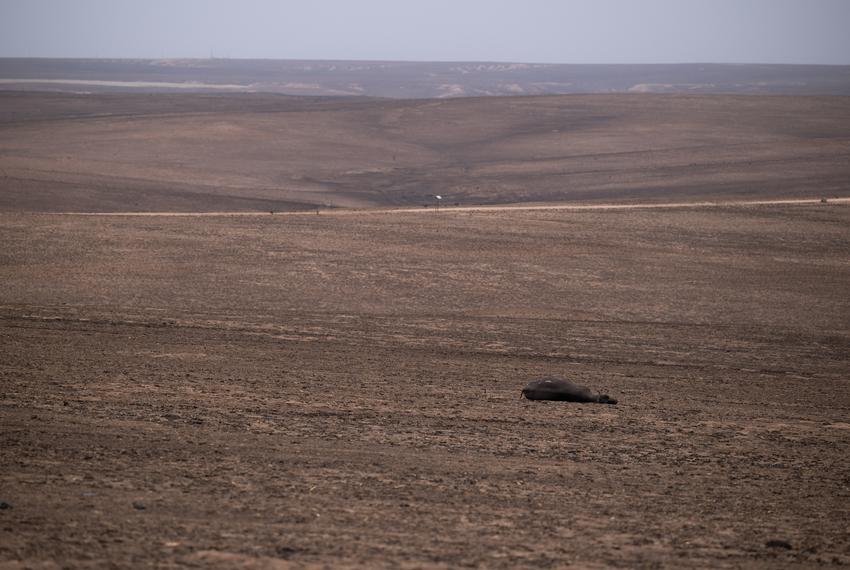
(556, 31)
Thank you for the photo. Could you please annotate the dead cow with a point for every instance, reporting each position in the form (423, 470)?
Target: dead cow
(560, 389)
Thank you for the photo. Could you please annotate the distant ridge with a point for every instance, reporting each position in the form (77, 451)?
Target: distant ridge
(414, 80)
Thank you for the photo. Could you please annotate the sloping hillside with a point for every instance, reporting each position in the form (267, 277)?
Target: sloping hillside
(64, 152)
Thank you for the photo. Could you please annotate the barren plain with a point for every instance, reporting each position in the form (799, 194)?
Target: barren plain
(341, 389)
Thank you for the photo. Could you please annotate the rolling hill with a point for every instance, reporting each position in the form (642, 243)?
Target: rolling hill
(194, 152)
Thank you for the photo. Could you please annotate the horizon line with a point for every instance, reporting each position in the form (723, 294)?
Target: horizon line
(417, 61)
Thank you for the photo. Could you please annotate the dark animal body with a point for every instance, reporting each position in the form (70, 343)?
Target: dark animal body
(554, 388)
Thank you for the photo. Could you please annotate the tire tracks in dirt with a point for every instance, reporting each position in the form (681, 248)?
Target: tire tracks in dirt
(463, 209)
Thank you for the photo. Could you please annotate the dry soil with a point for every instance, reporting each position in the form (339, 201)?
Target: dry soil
(343, 390)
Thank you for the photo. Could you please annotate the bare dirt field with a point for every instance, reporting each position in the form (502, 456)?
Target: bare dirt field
(310, 391)
(262, 152)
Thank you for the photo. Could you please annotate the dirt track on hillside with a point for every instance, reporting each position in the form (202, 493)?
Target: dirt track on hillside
(485, 209)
